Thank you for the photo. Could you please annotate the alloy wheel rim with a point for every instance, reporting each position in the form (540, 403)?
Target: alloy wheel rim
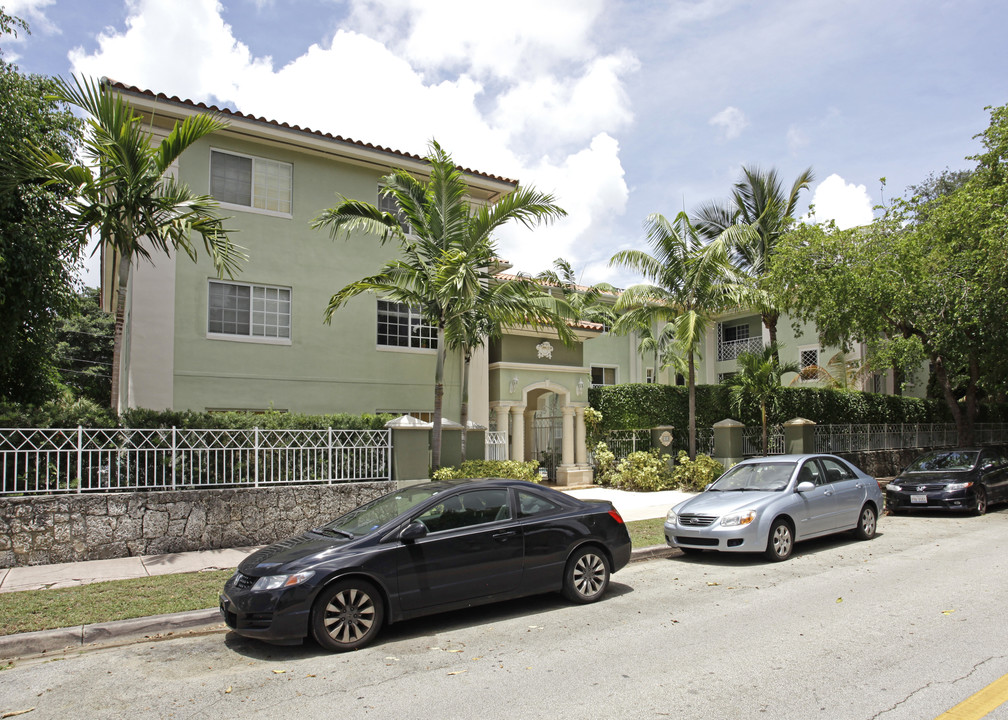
(589, 573)
(782, 540)
(349, 616)
(868, 522)
(981, 501)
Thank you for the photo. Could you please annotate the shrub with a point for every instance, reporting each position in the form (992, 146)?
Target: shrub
(643, 471)
(490, 468)
(696, 474)
(605, 464)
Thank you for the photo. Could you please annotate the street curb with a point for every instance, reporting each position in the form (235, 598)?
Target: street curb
(654, 552)
(45, 641)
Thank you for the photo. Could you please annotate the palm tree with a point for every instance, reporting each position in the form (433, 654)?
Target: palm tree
(759, 201)
(446, 257)
(124, 191)
(582, 303)
(759, 377)
(689, 283)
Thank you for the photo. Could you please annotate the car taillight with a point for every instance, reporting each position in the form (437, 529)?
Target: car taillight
(616, 516)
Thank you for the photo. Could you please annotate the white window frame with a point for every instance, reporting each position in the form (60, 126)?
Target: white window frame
(801, 365)
(250, 338)
(614, 368)
(649, 375)
(413, 311)
(251, 206)
(387, 203)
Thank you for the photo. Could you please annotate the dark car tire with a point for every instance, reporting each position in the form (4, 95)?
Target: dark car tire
(980, 500)
(780, 541)
(347, 615)
(867, 523)
(586, 576)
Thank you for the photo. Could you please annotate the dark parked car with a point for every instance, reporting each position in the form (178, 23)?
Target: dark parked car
(965, 479)
(425, 549)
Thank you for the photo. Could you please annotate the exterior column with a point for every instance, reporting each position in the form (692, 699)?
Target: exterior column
(517, 433)
(501, 411)
(529, 430)
(580, 450)
(567, 452)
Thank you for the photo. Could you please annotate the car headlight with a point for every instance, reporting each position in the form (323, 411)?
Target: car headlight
(740, 518)
(894, 488)
(671, 517)
(953, 487)
(273, 582)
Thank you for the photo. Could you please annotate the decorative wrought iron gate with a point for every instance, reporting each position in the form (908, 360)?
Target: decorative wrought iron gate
(547, 443)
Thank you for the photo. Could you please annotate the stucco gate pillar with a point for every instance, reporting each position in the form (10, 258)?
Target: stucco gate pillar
(501, 411)
(571, 472)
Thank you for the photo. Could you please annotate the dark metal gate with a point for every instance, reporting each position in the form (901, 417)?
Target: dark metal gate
(547, 443)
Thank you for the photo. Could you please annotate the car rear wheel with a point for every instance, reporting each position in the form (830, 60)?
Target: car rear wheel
(980, 500)
(867, 524)
(780, 543)
(347, 615)
(586, 575)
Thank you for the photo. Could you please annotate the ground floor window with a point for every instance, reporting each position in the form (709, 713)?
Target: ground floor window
(252, 311)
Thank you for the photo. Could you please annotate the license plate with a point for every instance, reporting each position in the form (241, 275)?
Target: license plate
(918, 499)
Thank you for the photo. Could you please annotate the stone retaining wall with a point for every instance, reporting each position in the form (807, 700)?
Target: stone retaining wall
(883, 463)
(69, 528)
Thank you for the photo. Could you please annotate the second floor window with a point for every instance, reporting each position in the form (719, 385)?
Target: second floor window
(251, 181)
(603, 375)
(387, 203)
(401, 325)
(254, 311)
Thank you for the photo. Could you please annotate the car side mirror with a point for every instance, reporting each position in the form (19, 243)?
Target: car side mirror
(707, 486)
(414, 531)
(804, 487)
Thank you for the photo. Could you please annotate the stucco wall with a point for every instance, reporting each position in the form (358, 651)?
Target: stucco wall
(69, 528)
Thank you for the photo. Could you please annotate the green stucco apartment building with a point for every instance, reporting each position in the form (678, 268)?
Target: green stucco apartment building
(257, 342)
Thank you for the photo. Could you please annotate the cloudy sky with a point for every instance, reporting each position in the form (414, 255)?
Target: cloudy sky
(619, 107)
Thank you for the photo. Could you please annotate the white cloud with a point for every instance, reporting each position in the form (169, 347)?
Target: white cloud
(732, 122)
(528, 100)
(34, 13)
(796, 139)
(847, 204)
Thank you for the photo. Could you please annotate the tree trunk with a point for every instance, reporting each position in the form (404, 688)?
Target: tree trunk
(763, 416)
(964, 424)
(692, 409)
(438, 401)
(770, 321)
(122, 278)
(464, 410)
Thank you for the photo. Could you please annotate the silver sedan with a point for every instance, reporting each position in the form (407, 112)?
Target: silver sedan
(768, 504)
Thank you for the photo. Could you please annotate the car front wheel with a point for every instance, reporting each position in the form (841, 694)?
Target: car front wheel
(867, 524)
(980, 500)
(586, 576)
(780, 543)
(347, 615)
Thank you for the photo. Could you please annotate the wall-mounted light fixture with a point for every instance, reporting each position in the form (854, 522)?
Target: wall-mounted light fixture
(514, 384)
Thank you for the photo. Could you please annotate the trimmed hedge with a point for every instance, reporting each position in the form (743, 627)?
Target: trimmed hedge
(491, 468)
(90, 415)
(633, 406)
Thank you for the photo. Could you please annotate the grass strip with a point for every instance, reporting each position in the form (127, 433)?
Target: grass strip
(30, 610)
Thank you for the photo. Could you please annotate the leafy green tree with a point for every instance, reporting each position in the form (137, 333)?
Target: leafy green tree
(446, 258)
(37, 257)
(124, 192)
(84, 348)
(759, 201)
(759, 379)
(688, 283)
(927, 281)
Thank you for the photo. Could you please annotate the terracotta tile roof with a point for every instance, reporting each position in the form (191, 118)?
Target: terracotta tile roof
(580, 288)
(287, 126)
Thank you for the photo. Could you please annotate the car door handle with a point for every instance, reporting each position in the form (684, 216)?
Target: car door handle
(859, 486)
(827, 492)
(504, 535)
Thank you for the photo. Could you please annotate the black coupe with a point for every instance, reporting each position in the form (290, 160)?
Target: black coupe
(966, 479)
(425, 549)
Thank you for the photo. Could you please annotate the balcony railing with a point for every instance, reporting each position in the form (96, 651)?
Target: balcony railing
(730, 349)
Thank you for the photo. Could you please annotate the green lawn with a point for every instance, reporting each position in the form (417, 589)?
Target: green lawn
(29, 610)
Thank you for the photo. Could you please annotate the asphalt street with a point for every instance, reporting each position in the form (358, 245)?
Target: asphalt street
(902, 627)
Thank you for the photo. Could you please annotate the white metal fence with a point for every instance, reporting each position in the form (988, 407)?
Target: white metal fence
(496, 446)
(81, 460)
(623, 442)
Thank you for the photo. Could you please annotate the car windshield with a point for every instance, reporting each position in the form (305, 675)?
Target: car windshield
(768, 476)
(368, 517)
(946, 460)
